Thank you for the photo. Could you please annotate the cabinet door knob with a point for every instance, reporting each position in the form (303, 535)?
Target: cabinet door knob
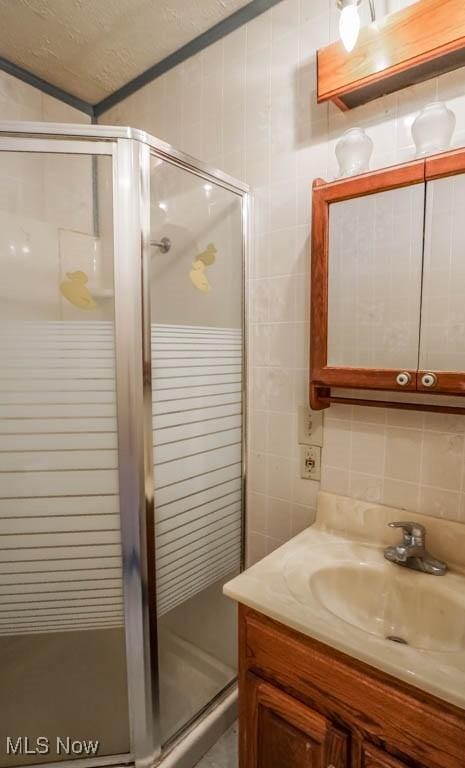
(429, 380)
(403, 378)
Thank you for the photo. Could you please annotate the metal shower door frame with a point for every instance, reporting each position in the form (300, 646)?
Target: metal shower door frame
(131, 223)
(166, 153)
(131, 206)
(131, 150)
(136, 162)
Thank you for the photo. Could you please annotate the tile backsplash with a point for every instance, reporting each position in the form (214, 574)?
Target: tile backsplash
(247, 105)
(400, 458)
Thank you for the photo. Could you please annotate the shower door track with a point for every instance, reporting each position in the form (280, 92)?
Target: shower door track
(130, 150)
(115, 761)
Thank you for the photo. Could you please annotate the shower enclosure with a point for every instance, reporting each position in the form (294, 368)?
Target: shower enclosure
(122, 433)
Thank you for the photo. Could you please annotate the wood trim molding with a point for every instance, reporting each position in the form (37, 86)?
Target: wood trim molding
(323, 400)
(319, 280)
(364, 378)
(380, 180)
(445, 164)
(406, 47)
(319, 397)
(449, 382)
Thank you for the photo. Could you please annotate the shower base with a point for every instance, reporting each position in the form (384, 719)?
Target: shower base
(189, 679)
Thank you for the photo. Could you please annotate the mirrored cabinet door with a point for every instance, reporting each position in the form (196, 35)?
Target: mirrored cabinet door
(442, 339)
(374, 279)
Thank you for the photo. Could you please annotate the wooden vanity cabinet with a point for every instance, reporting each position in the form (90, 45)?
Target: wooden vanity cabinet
(387, 284)
(305, 705)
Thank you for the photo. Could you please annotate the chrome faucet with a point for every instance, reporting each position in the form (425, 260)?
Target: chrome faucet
(412, 553)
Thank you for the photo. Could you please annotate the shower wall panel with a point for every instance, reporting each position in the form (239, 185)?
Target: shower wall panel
(197, 388)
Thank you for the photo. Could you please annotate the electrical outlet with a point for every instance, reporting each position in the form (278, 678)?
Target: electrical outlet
(310, 426)
(310, 462)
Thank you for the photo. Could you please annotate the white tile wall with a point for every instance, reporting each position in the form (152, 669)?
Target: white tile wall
(247, 104)
(30, 186)
(20, 101)
(405, 459)
(45, 205)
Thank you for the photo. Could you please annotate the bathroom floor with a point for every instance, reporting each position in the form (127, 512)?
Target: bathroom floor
(223, 754)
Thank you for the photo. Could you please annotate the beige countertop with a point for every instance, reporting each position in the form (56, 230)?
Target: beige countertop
(349, 536)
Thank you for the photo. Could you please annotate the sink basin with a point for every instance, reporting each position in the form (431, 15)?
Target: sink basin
(423, 611)
(332, 584)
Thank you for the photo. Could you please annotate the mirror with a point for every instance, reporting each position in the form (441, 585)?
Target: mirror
(442, 340)
(374, 279)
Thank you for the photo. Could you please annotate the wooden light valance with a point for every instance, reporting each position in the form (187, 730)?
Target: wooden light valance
(421, 41)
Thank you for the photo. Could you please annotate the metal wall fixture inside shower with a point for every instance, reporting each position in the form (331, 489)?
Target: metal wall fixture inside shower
(163, 245)
(122, 413)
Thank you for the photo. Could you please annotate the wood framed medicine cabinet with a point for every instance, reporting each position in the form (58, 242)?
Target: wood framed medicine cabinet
(388, 286)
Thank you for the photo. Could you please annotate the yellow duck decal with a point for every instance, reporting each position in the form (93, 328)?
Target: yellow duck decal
(197, 273)
(74, 289)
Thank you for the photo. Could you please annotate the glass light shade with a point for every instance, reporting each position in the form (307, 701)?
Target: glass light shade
(349, 25)
(432, 129)
(353, 152)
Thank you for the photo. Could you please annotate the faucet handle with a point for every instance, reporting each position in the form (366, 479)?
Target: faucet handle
(414, 533)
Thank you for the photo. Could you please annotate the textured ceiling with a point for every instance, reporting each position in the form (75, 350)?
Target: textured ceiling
(92, 47)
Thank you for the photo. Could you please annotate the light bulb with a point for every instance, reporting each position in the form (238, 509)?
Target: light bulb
(349, 25)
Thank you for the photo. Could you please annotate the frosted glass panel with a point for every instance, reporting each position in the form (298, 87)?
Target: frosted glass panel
(196, 304)
(62, 644)
(442, 344)
(375, 262)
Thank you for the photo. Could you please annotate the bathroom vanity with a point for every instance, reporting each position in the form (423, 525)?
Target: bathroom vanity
(323, 682)
(304, 705)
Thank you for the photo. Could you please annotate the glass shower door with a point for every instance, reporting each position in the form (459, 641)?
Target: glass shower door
(63, 690)
(196, 291)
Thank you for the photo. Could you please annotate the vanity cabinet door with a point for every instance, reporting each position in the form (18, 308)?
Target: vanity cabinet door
(281, 732)
(442, 336)
(375, 758)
